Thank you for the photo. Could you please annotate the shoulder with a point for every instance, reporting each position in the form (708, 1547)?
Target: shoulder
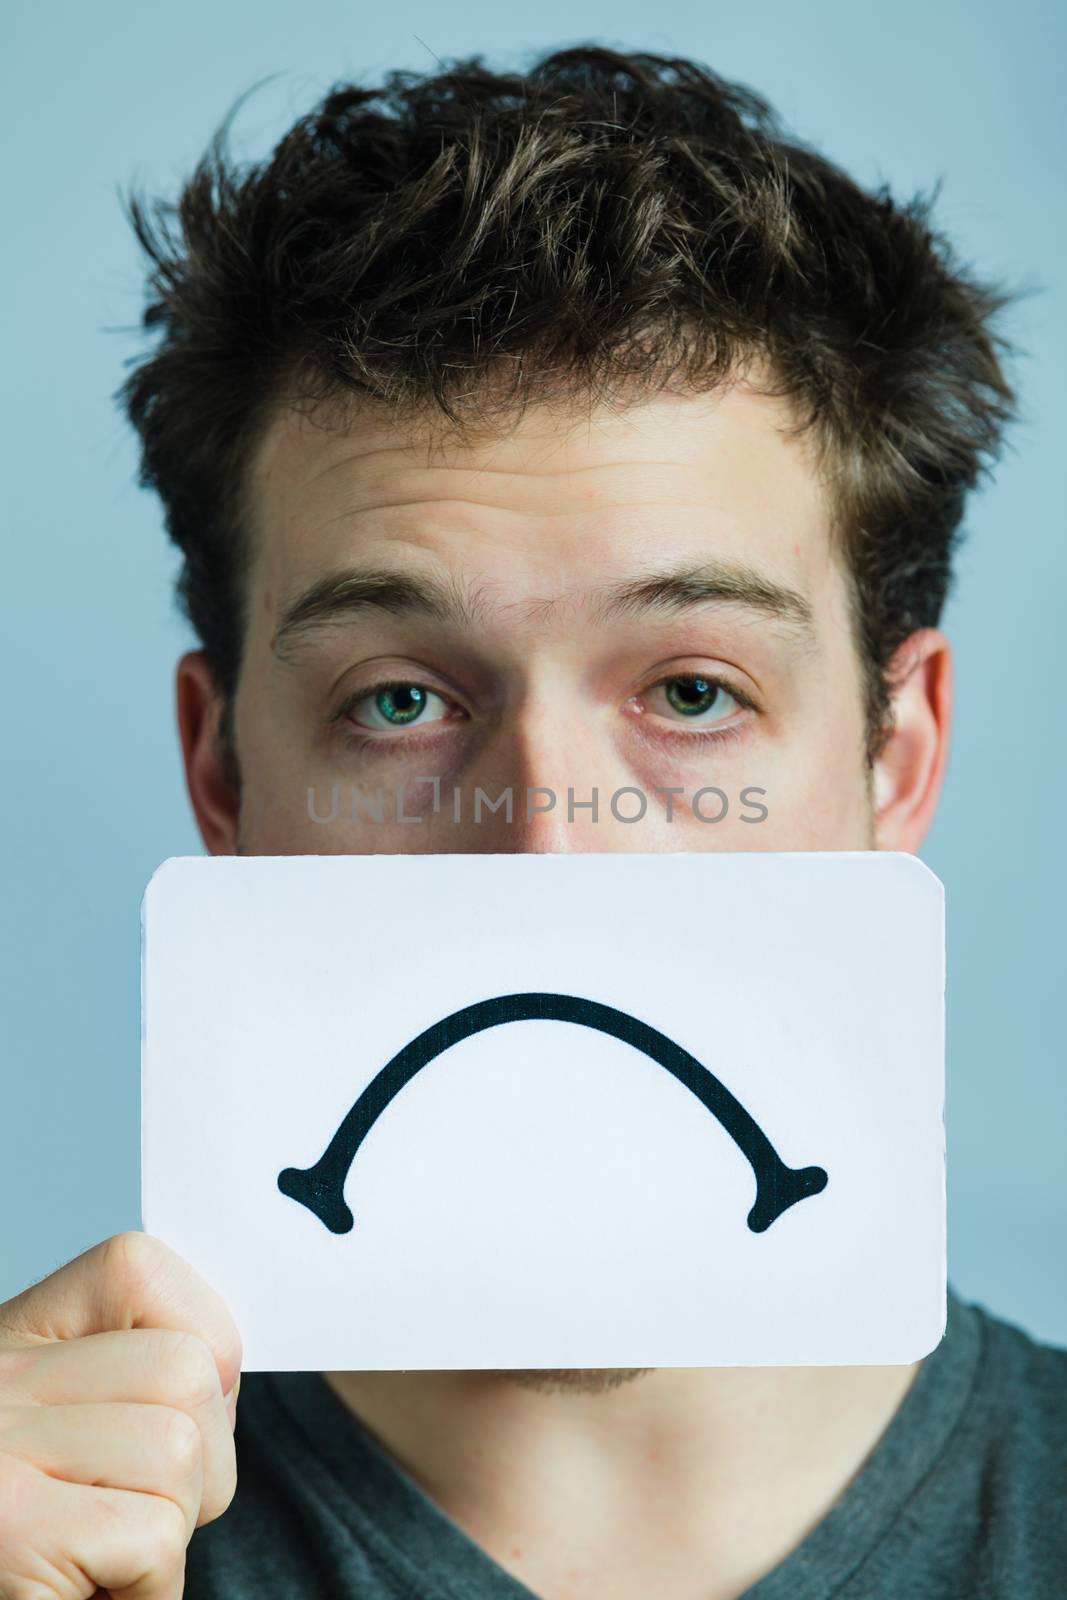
(974, 1470)
(1014, 1432)
(1024, 1378)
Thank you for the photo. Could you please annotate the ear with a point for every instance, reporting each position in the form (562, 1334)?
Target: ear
(910, 769)
(208, 774)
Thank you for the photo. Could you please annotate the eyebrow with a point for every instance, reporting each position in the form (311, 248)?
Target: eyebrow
(710, 583)
(339, 597)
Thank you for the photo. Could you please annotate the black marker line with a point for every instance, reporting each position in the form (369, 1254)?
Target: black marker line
(321, 1186)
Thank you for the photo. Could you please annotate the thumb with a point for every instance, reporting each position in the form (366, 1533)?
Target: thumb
(131, 1280)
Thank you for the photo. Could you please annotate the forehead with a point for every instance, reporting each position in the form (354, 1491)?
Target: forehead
(566, 484)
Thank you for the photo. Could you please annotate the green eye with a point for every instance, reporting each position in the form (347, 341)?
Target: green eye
(405, 703)
(691, 696)
(698, 698)
(397, 705)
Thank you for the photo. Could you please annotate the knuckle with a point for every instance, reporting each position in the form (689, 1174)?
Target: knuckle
(180, 1442)
(16, 1367)
(130, 1261)
(190, 1377)
(164, 1537)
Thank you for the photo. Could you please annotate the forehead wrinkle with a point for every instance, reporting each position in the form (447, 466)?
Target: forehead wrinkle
(396, 491)
(414, 460)
(346, 460)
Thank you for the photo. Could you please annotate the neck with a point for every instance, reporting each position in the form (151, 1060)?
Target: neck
(715, 1474)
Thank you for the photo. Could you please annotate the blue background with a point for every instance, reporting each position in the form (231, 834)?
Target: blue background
(92, 795)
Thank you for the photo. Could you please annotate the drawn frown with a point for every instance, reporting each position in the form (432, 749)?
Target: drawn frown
(320, 1187)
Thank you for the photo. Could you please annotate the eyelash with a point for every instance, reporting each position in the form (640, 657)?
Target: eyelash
(357, 740)
(362, 741)
(705, 737)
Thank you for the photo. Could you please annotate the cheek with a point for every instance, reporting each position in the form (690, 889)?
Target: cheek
(818, 793)
(295, 803)
(814, 775)
(816, 810)
(275, 777)
(832, 815)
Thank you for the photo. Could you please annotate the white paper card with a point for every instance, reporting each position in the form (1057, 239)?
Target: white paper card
(551, 1110)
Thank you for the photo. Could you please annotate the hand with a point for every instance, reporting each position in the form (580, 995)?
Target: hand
(118, 1380)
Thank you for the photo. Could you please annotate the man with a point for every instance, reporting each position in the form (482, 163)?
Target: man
(566, 432)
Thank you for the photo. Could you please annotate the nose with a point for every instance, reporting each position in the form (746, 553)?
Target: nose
(552, 780)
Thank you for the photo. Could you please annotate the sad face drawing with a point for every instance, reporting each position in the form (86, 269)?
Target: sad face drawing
(320, 1187)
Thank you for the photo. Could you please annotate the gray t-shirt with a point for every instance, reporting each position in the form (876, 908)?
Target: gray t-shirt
(963, 1498)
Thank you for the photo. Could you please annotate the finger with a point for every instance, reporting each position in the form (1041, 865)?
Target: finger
(152, 1449)
(230, 1402)
(144, 1366)
(131, 1280)
(131, 1545)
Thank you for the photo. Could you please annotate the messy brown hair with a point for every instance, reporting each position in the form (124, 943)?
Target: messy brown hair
(599, 225)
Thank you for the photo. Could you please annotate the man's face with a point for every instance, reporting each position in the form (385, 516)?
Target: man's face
(641, 604)
(643, 601)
